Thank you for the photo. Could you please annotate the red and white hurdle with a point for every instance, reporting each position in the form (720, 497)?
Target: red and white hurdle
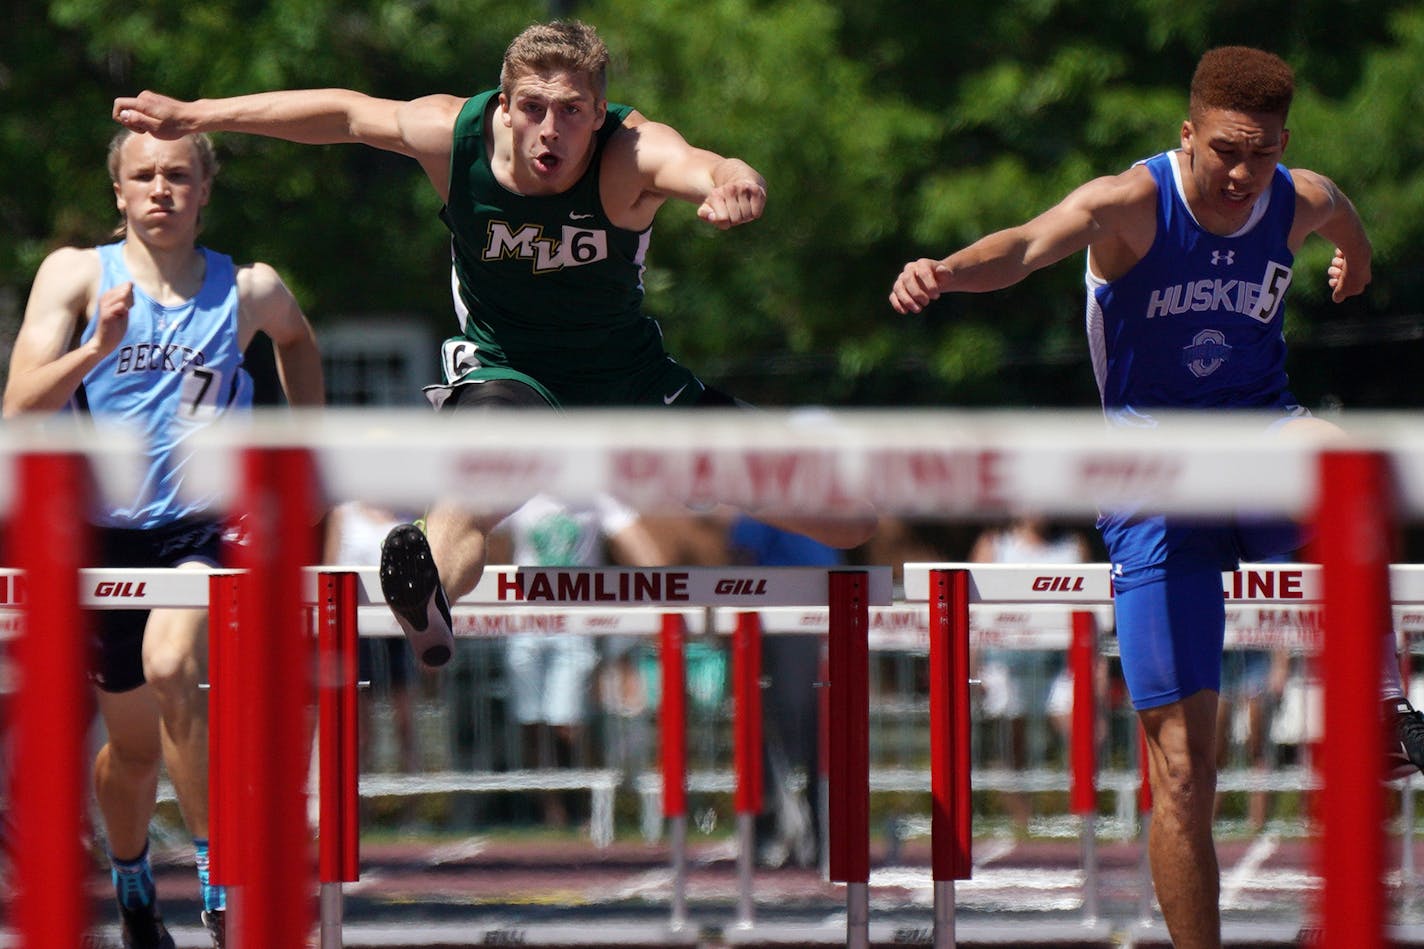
(1081, 587)
(235, 690)
(975, 466)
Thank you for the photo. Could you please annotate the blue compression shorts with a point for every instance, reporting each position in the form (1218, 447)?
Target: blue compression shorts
(1170, 632)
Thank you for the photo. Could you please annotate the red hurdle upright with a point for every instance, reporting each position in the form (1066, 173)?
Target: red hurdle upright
(952, 839)
(224, 721)
(673, 724)
(269, 903)
(849, 629)
(1354, 540)
(747, 752)
(339, 827)
(50, 541)
(1083, 791)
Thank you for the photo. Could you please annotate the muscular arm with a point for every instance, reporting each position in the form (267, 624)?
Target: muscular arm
(1114, 215)
(268, 306)
(44, 369)
(1322, 208)
(420, 128)
(658, 163)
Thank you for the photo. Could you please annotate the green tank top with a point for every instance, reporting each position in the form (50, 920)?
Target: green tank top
(547, 289)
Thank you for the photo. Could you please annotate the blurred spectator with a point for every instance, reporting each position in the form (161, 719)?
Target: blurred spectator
(1019, 685)
(550, 675)
(1253, 684)
(789, 826)
(1252, 680)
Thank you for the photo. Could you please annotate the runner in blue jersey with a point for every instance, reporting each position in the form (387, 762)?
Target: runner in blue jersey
(1189, 258)
(550, 193)
(149, 332)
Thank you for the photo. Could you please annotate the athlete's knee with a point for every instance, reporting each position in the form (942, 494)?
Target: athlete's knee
(843, 533)
(1184, 777)
(173, 672)
(128, 761)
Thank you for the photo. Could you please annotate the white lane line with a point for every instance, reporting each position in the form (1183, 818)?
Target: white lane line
(991, 850)
(458, 851)
(653, 884)
(1248, 871)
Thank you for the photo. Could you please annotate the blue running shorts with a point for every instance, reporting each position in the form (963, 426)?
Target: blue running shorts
(1170, 631)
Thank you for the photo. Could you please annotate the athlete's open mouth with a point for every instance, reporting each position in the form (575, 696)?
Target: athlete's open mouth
(547, 162)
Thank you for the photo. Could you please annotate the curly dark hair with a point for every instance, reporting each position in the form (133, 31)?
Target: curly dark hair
(1242, 79)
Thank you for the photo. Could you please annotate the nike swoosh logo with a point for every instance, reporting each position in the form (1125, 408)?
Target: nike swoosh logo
(670, 399)
(573, 216)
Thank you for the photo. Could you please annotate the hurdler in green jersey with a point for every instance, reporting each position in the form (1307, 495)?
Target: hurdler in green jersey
(548, 290)
(550, 193)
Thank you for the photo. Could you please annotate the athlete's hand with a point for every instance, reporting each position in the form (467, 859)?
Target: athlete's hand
(1347, 278)
(920, 282)
(158, 115)
(113, 320)
(736, 202)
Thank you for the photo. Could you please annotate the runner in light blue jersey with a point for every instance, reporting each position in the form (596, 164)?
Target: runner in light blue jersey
(178, 369)
(149, 332)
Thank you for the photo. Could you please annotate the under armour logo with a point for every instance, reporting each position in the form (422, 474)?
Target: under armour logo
(1219, 257)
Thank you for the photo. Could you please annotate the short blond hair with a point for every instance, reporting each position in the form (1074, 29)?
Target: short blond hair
(569, 45)
(202, 148)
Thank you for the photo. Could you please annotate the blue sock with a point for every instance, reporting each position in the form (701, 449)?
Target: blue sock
(214, 897)
(133, 880)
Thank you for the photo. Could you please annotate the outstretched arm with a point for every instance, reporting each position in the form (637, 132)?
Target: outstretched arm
(45, 366)
(727, 191)
(420, 128)
(1112, 213)
(1322, 208)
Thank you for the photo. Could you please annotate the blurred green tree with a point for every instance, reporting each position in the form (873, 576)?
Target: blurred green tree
(887, 131)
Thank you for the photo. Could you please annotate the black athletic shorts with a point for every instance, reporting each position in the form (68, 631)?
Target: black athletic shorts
(118, 634)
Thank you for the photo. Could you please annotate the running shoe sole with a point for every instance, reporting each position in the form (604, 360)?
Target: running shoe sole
(1405, 744)
(411, 585)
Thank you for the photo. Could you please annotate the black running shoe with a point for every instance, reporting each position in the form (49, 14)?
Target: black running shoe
(143, 928)
(1404, 743)
(411, 586)
(216, 922)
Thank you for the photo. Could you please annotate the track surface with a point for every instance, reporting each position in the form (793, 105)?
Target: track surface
(482, 891)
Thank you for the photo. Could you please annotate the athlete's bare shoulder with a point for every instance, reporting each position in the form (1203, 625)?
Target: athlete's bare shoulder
(1127, 194)
(1123, 208)
(429, 121)
(427, 134)
(69, 276)
(256, 280)
(78, 263)
(264, 302)
(1316, 198)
